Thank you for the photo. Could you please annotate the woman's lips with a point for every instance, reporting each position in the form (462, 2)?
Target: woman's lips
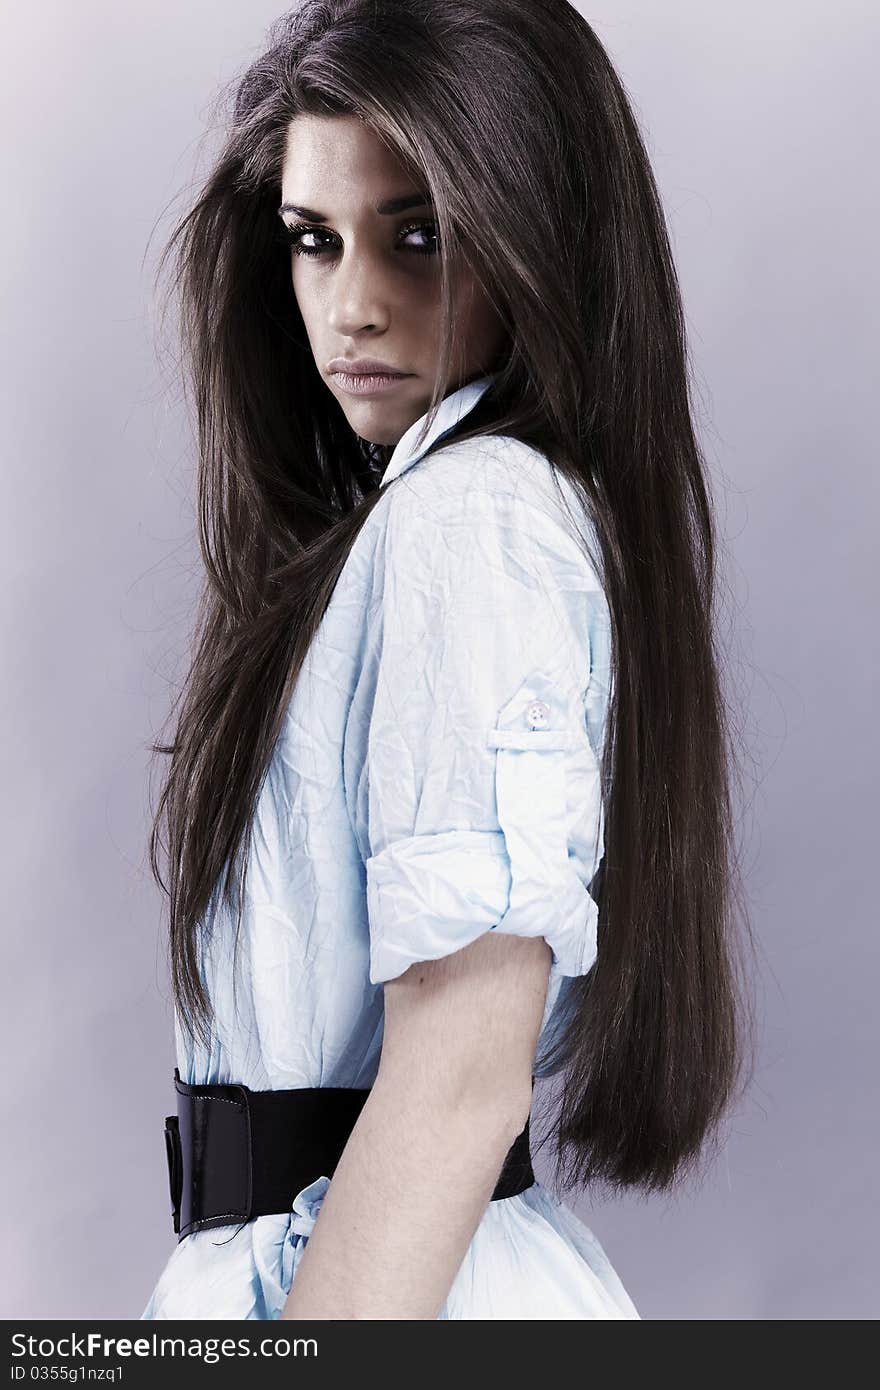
(369, 383)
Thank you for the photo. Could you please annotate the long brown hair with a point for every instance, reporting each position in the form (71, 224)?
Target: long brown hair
(512, 115)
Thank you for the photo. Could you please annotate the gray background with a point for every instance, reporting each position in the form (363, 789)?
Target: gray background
(759, 124)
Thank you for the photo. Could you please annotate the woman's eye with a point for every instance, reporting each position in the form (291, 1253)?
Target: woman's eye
(293, 237)
(422, 228)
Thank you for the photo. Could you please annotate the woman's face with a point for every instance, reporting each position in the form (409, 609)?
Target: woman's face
(371, 290)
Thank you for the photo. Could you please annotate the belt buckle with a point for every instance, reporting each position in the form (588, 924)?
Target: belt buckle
(175, 1167)
(210, 1158)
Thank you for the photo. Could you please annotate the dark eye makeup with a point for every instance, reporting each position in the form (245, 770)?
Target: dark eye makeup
(291, 236)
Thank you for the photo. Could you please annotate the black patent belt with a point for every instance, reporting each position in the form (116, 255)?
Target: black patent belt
(235, 1154)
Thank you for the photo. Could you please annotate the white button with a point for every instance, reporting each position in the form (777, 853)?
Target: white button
(537, 714)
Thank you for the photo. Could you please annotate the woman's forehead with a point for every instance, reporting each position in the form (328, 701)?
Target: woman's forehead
(340, 157)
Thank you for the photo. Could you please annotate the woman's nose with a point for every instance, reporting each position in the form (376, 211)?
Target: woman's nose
(357, 300)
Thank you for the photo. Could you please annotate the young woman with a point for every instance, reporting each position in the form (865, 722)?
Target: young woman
(456, 652)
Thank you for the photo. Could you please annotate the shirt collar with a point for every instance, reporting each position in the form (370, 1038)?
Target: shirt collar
(451, 409)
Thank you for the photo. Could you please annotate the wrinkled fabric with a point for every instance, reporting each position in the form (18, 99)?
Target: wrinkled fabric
(436, 777)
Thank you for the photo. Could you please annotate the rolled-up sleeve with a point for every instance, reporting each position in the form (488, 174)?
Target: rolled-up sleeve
(481, 778)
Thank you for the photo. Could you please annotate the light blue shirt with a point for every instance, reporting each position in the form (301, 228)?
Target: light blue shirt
(436, 777)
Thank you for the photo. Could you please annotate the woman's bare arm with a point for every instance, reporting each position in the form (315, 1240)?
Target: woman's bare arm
(452, 1092)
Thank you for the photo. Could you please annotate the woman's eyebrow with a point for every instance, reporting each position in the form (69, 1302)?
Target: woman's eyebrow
(390, 205)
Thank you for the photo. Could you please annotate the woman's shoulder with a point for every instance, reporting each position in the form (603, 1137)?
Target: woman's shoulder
(491, 483)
